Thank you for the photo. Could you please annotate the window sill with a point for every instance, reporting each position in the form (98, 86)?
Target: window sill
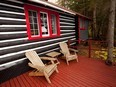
(44, 37)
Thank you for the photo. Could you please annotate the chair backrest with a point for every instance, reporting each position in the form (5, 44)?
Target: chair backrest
(34, 58)
(64, 48)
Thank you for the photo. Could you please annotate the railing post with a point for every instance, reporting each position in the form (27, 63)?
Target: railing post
(68, 42)
(89, 41)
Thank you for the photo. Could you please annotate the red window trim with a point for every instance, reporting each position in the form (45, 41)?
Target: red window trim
(79, 28)
(57, 22)
(49, 12)
(83, 23)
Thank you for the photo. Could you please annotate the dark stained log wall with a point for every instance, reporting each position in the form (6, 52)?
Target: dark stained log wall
(14, 40)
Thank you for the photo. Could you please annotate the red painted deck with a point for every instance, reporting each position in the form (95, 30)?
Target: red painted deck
(87, 72)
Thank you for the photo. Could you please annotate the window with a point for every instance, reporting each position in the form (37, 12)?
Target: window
(44, 23)
(53, 21)
(41, 23)
(82, 24)
(33, 19)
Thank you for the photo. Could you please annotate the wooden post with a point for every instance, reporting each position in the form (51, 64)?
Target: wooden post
(69, 43)
(89, 41)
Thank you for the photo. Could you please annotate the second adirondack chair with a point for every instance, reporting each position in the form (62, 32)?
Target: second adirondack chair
(66, 52)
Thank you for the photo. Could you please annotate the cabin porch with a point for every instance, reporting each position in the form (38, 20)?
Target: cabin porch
(88, 72)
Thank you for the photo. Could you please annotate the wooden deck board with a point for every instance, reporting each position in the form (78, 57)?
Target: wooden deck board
(17, 84)
(21, 83)
(12, 83)
(86, 73)
(3, 84)
(8, 84)
(26, 81)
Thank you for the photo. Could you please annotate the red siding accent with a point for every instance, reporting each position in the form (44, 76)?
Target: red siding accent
(79, 28)
(27, 21)
(57, 22)
(50, 24)
(58, 25)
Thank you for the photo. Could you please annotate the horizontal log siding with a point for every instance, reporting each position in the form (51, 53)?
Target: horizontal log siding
(14, 41)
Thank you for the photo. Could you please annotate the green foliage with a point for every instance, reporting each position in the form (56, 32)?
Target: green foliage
(103, 53)
(86, 7)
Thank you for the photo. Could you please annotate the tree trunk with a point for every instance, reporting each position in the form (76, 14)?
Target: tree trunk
(94, 21)
(111, 32)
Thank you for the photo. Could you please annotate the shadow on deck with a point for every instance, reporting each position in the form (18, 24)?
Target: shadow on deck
(87, 72)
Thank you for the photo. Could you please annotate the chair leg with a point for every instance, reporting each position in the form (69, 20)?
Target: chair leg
(57, 70)
(67, 62)
(47, 78)
(77, 59)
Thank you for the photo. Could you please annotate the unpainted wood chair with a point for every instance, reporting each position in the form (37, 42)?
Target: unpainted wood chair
(67, 54)
(40, 68)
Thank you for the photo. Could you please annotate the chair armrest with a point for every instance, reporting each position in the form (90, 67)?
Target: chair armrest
(73, 50)
(51, 59)
(31, 65)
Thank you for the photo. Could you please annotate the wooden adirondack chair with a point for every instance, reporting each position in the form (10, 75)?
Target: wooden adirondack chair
(40, 68)
(67, 54)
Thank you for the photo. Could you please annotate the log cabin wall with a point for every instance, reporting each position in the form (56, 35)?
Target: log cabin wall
(14, 40)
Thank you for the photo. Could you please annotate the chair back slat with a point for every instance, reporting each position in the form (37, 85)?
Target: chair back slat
(34, 58)
(64, 48)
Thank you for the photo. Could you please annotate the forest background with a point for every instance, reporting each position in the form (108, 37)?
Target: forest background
(97, 10)
(103, 25)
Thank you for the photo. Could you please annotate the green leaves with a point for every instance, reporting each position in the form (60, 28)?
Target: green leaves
(87, 8)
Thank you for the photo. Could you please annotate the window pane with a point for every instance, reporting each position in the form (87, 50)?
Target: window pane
(54, 25)
(31, 26)
(33, 19)
(34, 14)
(30, 19)
(32, 32)
(44, 23)
(36, 32)
(30, 13)
(45, 15)
(36, 26)
(82, 23)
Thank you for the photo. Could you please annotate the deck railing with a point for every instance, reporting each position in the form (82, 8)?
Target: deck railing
(90, 45)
